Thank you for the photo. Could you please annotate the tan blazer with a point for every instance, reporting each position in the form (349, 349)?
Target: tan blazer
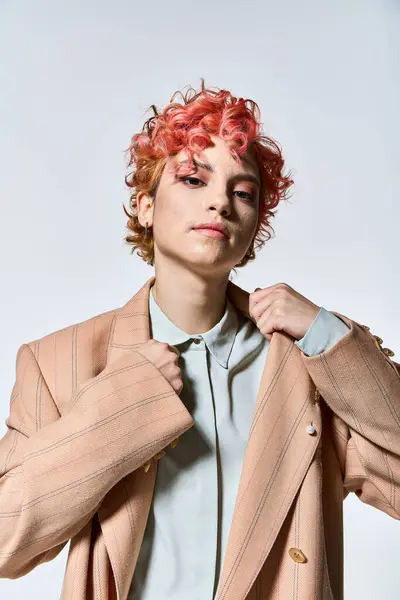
(88, 411)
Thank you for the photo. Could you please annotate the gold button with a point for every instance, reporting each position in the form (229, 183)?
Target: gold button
(147, 466)
(365, 327)
(196, 340)
(388, 351)
(174, 442)
(297, 555)
(159, 454)
(378, 339)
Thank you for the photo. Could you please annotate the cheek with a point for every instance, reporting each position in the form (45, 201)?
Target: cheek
(172, 215)
(248, 224)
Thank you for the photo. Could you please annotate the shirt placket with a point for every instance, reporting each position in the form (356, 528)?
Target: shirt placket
(207, 477)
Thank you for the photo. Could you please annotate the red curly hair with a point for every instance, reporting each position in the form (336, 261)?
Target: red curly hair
(190, 126)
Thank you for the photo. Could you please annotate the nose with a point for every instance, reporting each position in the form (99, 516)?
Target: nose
(220, 202)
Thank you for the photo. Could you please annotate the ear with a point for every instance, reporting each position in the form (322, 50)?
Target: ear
(145, 208)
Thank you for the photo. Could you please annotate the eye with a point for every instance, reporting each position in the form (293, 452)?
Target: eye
(246, 195)
(190, 179)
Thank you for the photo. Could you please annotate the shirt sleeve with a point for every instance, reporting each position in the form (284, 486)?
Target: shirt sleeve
(323, 333)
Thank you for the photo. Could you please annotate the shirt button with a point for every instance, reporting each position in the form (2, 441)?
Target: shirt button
(310, 429)
(297, 555)
(196, 340)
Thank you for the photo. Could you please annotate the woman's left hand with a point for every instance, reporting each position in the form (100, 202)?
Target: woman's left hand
(280, 308)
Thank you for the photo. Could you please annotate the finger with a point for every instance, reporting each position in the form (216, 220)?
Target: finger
(261, 293)
(174, 349)
(262, 308)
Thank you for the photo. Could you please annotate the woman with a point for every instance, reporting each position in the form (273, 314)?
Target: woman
(198, 442)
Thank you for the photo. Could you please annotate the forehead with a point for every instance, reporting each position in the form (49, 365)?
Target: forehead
(220, 156)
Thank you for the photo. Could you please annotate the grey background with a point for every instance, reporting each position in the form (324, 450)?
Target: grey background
(76, 81)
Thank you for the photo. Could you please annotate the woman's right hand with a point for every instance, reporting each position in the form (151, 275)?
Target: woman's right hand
(165, 358)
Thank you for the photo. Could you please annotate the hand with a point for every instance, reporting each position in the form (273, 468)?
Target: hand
(280, 308)
(165, 358)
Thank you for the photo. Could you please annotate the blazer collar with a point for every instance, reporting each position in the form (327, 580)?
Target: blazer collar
(132, 327)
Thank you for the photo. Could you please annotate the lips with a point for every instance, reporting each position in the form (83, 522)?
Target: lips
(213, 226)
(214, 233)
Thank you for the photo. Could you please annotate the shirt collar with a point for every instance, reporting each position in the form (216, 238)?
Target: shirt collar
(219, 339)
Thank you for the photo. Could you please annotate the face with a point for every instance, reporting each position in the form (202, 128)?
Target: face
(218, 189)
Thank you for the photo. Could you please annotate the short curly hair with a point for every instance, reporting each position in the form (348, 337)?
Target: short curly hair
(190, 126)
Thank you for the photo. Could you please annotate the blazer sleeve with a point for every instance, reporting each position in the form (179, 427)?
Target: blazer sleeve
(361, 384)
(55, 470)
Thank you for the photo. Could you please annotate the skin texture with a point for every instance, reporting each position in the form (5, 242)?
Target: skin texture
(191, 269)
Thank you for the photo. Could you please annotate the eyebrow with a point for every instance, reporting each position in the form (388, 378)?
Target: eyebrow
(239, 177)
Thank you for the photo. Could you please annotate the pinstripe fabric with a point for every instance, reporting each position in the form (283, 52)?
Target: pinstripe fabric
(87, 411)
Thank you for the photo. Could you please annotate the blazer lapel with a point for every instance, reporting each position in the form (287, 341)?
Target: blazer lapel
(278, 454)
(124, 510)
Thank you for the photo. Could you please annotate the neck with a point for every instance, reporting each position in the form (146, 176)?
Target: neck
(192, 303)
